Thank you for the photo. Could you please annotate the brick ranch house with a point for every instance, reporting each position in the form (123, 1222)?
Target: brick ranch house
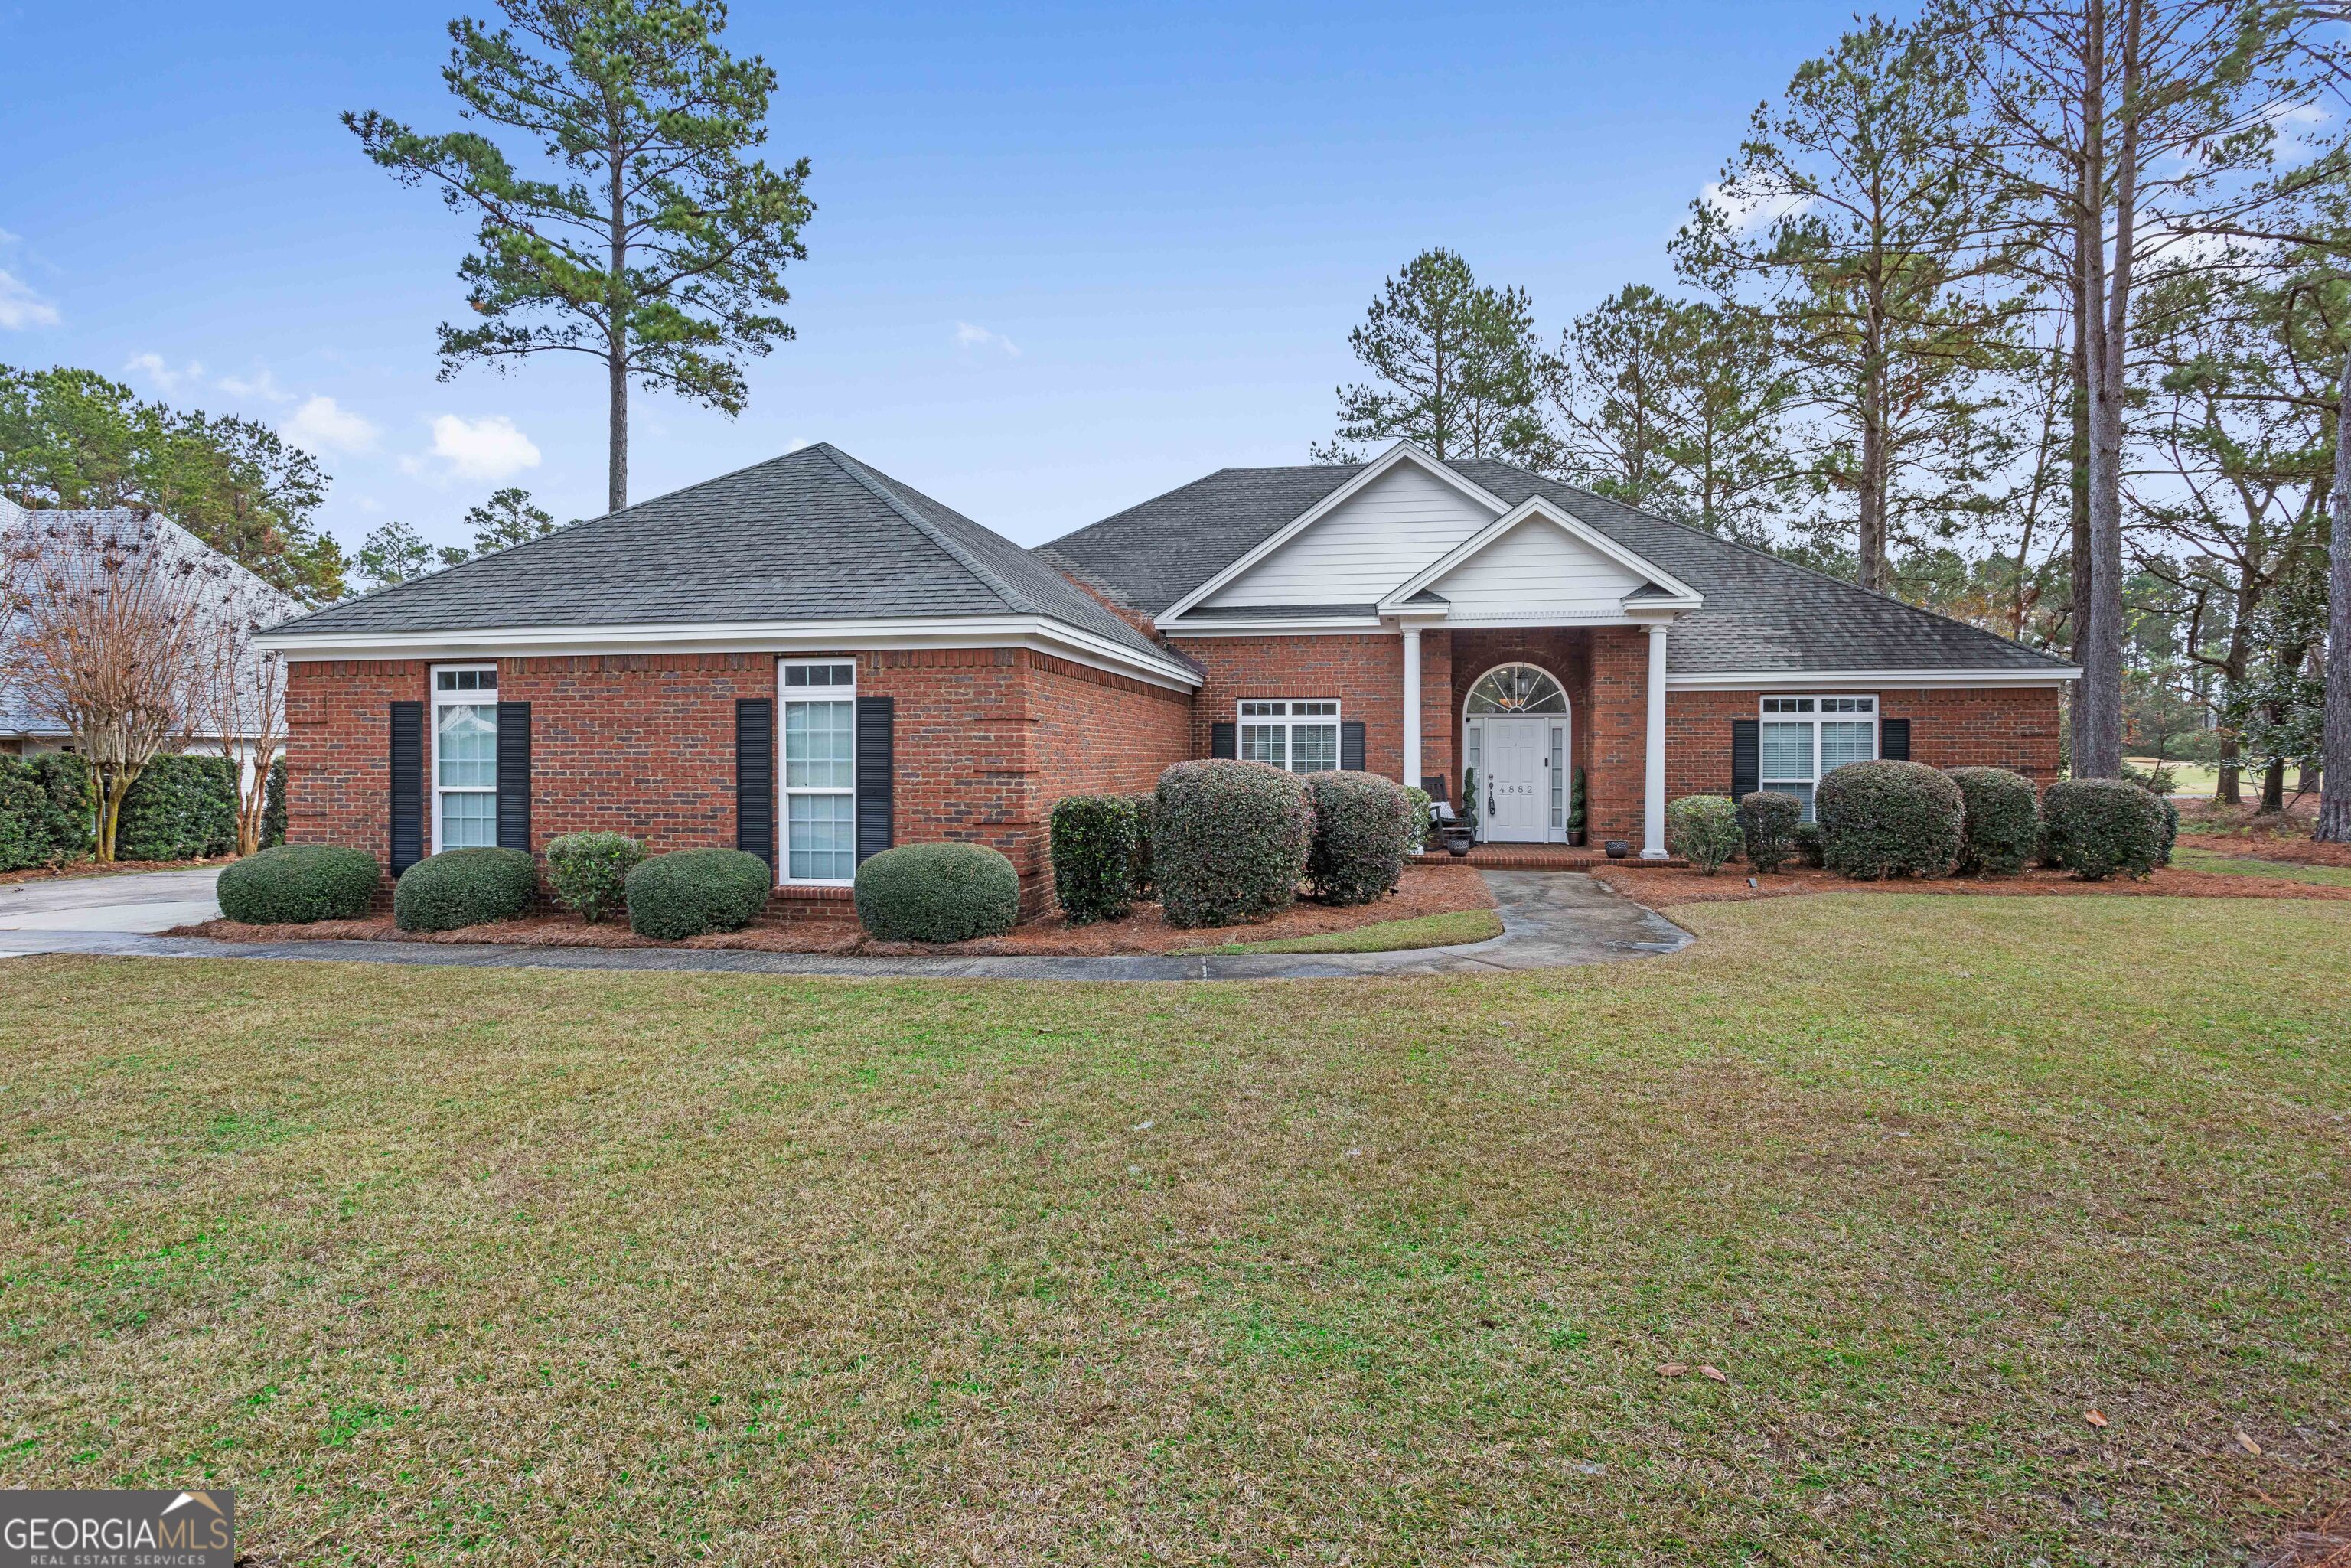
(810, 661)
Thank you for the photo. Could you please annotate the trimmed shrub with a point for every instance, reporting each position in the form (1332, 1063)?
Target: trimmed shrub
(1360, 839)
(294, 883)
(178, 808)
(689, 892)
(273, 807)
(590, 872)
(464, 887)
(944, 891)
(1093, 857)
(1769, 823)
(1806, 839)
(1703, 830)
(2096, 827)
(1229, 841)
(47, 810)
(2002, 829)
(1888, 818)
(1139, 881)
(1417, 829)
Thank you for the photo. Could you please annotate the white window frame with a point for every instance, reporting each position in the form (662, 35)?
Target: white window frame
(784, 792)
(1283, 714)
(1811, 709)
(442, 699)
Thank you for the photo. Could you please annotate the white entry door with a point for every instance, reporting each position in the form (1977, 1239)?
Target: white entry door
(1514, 787)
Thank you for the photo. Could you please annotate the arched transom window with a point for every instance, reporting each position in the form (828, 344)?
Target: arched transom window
(1516, 688)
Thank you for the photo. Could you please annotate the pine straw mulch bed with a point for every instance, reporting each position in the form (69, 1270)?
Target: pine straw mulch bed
(71, 870)
(1658, 889)
(1439, 889)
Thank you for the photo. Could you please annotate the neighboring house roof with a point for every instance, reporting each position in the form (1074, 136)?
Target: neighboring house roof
(812, 535)
(1760, 613)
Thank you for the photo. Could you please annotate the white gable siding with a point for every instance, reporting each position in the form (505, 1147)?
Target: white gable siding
(1536, 572)
(1374, 540)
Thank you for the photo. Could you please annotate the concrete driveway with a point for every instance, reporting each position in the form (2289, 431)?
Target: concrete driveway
(132, 903)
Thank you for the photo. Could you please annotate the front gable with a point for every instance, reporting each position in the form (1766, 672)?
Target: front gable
(1537, 565)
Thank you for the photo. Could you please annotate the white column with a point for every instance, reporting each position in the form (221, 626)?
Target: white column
(1652, 789)
(1412, 706)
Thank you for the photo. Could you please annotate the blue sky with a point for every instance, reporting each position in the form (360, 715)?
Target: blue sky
(1064, 258)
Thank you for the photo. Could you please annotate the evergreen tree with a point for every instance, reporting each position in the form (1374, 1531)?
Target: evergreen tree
(508, 518)
(396, 553)
(1455, 365)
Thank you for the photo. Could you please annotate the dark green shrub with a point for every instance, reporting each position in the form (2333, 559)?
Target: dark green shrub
(1139, 879)
(1093, 857)
(689, 892)
(1360, 826)
(2096, 827)
(590, 872)
(1229, 841)
(273, 807)
(465, 887)
(47, 810)
(937, 893)
(1417, 825)
(1769, 823)
(2003, 826)
(178, 807)
(2170, 829)
(294, 883)
(1888, 818)
(1703, 830)
(1806, 839)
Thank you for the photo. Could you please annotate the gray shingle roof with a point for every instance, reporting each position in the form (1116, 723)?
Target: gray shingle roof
(813, 535)
(1761, 613)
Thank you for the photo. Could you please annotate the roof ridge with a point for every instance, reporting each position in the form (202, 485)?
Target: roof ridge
(871, 481)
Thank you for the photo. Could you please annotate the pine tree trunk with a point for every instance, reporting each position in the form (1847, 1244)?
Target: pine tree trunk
(2098, 726)
(2334, 777)
(2078, 485)
(617, 476)
(1876, 575)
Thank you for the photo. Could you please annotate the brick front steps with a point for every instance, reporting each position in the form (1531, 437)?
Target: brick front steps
(1555, 857)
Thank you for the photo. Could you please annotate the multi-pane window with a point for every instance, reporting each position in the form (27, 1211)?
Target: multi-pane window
(1803, 738)
(819, 746)
(1559, 779)
(1297, 737)
(465, 757)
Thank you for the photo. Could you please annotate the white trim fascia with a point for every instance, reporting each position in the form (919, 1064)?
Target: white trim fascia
(1320, 625)
(781, 638)
(1683, 596)
(1403, 450)
(1862, 682)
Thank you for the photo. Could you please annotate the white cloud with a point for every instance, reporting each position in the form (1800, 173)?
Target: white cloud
(1748, 213)
(156, 369)
(968, 336)
(20, 307)
(260, 384)
(796, 442)
(486, 448)
(323, 426)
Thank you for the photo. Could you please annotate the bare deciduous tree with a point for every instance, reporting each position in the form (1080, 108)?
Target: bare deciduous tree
(239, 696)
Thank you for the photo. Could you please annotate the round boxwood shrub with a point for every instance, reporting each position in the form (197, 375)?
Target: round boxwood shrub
(692, 892)
(1361, 828)
(1769, 823)
(1703, 830)
(2002, 827)
(1229, 841)
(1093, 857)
(937, 893)
(590, 873)
(294, 883)
(1888, 818)
(2096, 827)
(464, 887)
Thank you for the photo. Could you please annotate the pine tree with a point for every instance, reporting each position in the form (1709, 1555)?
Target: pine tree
(1455, 365)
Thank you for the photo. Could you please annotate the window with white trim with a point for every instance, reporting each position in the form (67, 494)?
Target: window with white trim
(820, 771)
(464, 756)
(1296, 736)
(1803, 738)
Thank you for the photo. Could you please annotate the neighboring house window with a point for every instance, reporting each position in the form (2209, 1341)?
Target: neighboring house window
(464, 757)
(1298, 737)
(819, 744)
(1803, 738)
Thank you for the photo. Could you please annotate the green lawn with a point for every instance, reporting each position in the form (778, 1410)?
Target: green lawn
(534, 1266)
(1448, 930)
(2188, 857)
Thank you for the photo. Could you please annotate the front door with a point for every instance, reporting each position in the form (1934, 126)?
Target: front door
(1511, 788)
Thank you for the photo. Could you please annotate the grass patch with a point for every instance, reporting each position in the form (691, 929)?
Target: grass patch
(544, 1266)
(1448, 930)
(2188, 857)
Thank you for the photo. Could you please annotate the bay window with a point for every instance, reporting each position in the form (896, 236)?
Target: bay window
(464, 756)
(1296, 736)
(1803, 738)
(820, 772)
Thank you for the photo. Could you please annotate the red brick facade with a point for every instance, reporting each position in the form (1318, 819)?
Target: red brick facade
(1959, 726)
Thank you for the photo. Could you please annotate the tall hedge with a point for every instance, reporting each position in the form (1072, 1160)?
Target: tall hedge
(1361, 833)
(1229, 841)
(2096, 827)
(179, 807)
(2003, 827)
(47, 810)
(1092, 838)
(1769, 823)
(1888, 818)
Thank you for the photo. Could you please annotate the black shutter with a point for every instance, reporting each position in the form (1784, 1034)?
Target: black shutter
(1746, 757)
(875, 718)
(754, 777)
(514, 776)
(1894, 739)
(1351, 747)
(1224, 740)
(407, 785)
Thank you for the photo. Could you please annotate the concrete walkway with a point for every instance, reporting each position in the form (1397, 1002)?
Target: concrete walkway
(1549, 920)
(131, 901)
